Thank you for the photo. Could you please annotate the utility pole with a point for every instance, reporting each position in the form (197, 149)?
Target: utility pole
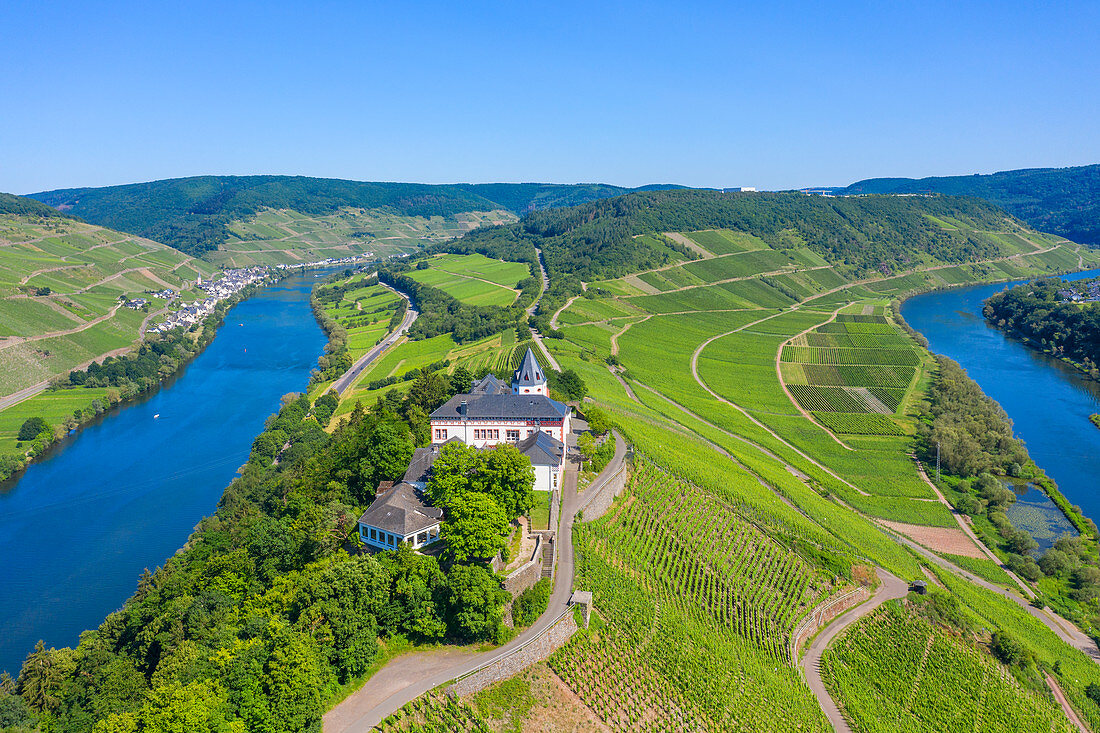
(937, 461)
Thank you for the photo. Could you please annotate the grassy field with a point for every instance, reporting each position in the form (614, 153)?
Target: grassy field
(54, 407)
(275, 237)
(60, 284)
(473, 279)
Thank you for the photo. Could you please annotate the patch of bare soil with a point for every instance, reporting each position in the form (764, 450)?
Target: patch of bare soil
(951, 540)
(559, 710)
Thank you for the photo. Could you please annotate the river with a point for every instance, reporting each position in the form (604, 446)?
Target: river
(1049, 401)
(78, 528)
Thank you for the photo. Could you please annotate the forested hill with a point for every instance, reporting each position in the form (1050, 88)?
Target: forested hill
(602, 239)
(23, 206)
(193, 214)
(1065, 201)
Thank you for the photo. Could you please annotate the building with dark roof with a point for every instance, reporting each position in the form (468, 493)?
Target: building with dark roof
(491, 413)
(399, 514)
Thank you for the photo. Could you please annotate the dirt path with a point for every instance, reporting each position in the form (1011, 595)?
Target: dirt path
(964, 525)
(615, 336)
(1060, 697)
(54, 269)
(554, 318)
(783, 384)
(891, 587)
(53, 334)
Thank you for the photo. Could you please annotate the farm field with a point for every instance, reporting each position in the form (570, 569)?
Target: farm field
(473, 279)
(895, 671)
(290, 237)
(54, 407)
(60, 285)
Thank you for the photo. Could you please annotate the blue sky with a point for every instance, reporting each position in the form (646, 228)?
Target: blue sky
(703, 94)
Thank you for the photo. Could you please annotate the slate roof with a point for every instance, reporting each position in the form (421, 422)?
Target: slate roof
(401, 510)
(529, 373)
(489, 384)
(502, 406)
(422, 461)
(542, 449)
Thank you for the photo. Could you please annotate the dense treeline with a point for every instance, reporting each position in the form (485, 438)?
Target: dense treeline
(1035, 313)
(977, 448)
(264, 614)
(192, 214)
(441, 313)
(24, 206)
(1065, 201)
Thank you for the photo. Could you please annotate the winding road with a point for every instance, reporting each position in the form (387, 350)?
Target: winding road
(531, 311)
(890, 588)
(363, 709)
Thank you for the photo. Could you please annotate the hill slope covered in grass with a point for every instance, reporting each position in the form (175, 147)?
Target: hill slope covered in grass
(196, 214)
(1064, 201)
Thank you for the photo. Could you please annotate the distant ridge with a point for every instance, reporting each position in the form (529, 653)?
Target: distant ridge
(1063, 201)
(24, 206)
(193, 214)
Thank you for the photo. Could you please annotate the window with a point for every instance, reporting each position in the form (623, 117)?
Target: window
(440, 435)
(496, 435)
(511, 434)
(422, 538)
(555, 479)
(373, 533)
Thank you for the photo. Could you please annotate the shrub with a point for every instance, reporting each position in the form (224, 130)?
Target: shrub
(33, 427)
(531, 603)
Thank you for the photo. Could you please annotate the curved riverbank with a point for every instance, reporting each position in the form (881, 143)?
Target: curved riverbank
(124, 495)
(1048, 400)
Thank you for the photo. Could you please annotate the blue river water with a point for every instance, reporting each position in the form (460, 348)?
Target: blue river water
(1049, 401)
(78, 528)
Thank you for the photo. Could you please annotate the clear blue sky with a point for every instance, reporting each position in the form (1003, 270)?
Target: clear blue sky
(704, 94)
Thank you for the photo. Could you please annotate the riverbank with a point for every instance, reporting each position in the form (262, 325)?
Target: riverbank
(81, 405)
(126, 492)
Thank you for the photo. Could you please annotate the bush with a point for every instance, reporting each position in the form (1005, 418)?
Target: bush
(1008, 650)
(531, 603)
(33, 427)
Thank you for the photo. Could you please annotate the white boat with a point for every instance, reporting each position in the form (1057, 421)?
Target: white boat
(156, 416)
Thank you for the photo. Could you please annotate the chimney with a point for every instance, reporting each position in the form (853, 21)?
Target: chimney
(462, 407)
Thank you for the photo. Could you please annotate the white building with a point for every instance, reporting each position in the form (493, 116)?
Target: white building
(399, 514)
(493, 413)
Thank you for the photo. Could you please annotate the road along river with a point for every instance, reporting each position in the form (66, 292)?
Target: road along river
(78, 528)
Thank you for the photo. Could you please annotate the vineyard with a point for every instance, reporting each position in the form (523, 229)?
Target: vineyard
(894, 671)
(852, 373)
(434, 713)
(697, 606)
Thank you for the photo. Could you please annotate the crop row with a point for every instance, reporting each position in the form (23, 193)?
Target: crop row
(894, 671)
(858, 318)
(695, 605)
(836, 356)
(827, 399)
(859, 375)
(434, 713)
(888, 396)
(858, 424)
(857, 340)
(866, 328)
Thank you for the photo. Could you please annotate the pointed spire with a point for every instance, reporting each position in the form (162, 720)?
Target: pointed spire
(529, 372)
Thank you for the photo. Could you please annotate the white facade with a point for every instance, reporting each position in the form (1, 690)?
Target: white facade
(384, 540)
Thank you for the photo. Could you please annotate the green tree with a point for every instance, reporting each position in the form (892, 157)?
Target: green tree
(388, 452)
(452, 473)
(176, 708)
(474, 527)
(32, 427)
(475, 602)
(42, 676)
(461, 380)
(506, 475)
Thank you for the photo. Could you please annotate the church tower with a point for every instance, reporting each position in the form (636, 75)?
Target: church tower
(529, 379)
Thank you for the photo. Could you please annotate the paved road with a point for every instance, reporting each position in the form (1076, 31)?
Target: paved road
(891, 587)
(367, 359)
(357, 715)
(531, 311)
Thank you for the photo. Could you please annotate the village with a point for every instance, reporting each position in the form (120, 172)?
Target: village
(1088, 292)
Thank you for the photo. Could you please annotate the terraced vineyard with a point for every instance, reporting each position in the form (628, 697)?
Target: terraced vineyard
(60, 284)
(852, 373)
(285, 236)
(895, 671)
(698, 605)
(434, 713)
(473, 279)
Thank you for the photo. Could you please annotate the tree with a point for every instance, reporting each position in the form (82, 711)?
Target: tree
(506, 475)
(475, 602)
(570, 384)
(42, 675)
(1020, 542)
(14, 712)
(598, 421)
(388, 453)
(325, 405)
(461, 380)
(1055, 562)
(32, 427)
(176, 708)
(1008, 650)
(474, 527)
(1092, 691)
(452, 473)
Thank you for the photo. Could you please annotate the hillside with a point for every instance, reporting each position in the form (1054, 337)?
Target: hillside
(60, 284)
(199, 215)
(1065, 201)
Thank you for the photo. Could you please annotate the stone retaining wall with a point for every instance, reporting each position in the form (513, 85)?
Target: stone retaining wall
(536, 650)
(524, 577)
(598, 504)
(822, 615)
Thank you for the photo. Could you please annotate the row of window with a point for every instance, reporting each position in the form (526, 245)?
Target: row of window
(484, 434)
(489, 434)
(392, 540)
